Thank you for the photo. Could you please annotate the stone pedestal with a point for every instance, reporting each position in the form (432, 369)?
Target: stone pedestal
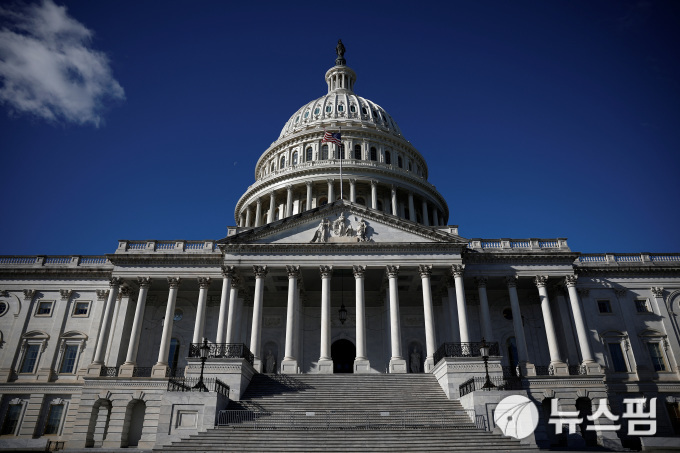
(236, 373)
(452, 372)
(159, 371)
(429, 364)
(258, 364)
(362, 366)
(398, 366)
(527, 369)
(592, 367)
(126, 371)
(559, 369)
(289, 366)
(94, 370)
(325, 366)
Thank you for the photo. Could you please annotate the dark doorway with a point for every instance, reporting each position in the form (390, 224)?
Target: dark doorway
(343, 353)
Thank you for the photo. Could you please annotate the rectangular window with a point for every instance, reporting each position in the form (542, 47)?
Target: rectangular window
(642, 306)
(44, 309)
(616, 354)
(657, 356)
(604, 306)
(30, 358)
(54, 419)
(81, 309)
(68, 363)
(11, 419)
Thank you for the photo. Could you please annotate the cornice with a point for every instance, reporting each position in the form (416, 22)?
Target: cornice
(538, 256)
(339, 249)
(22, 272)
(673, 270)
(166, 259)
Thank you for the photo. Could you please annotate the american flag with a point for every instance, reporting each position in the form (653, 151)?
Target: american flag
(333, 138)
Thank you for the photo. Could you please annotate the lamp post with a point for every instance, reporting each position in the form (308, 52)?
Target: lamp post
(484, 350)
(204, 350)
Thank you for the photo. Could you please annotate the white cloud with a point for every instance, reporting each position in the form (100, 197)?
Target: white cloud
(48, 69)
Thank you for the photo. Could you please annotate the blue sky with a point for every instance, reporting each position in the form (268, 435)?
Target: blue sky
(144, 120)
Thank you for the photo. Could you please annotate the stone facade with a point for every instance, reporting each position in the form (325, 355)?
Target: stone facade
(322, 274)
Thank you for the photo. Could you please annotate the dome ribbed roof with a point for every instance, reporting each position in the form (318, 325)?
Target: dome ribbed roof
(341, 106)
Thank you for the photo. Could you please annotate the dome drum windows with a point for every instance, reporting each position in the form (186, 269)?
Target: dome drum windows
(400, 162)
(357, 152)
(374, 154)
(295, 158)
(324, 152)
(309, 154)
(282, 162)
(388, 158)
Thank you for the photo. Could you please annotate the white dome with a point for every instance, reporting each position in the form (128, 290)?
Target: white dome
(340, 105)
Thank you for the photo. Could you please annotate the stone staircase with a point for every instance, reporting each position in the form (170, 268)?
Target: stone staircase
(350, 412)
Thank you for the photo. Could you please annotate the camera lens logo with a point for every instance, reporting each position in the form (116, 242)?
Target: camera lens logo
(516, 416)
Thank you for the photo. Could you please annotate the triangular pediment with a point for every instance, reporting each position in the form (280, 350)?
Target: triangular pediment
(342, 222)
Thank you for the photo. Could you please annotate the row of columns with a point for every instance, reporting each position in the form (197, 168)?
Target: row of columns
(229, 313)
(246, 219)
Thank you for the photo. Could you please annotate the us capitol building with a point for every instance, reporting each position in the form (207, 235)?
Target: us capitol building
(342, 260)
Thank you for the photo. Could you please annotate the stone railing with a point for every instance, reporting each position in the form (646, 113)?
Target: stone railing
(154, 246)
(559, 244)
(626, 258)
(223, 351)
(54, 261)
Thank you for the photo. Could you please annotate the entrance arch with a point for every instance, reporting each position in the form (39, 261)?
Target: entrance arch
(343, 352)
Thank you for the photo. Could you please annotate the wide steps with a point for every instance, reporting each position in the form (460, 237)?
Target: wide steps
(352, 413)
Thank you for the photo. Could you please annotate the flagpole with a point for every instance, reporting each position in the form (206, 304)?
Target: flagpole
(340, 147)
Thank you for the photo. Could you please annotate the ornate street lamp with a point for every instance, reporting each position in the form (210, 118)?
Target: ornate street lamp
(204, 350)
(342, 313)
(484, 350)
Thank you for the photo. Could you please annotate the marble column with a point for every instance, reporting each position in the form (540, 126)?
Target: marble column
(426, 220)
(203, 284)
(411, 208)
(361, 363)
(256, 329)
(527, 369)
(160, 369)
(272, 207)
(331, 192)
(127, 369)
(430, 338)
(558, 367)
(114, 286)
(258, 213)
(487, 330)
(309, 194)
(289, 200)
(397, 362)
(353, 190)
(457, 273)
(234, 315)
(453, 311)
(227, 277)
(289, 364)
(374, 194)
(325, 365)
(248, 217)
(395, 212)
(589, 362)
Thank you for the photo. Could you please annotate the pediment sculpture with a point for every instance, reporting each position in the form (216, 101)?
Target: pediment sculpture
(341, 230)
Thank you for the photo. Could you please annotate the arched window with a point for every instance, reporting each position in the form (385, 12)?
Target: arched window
(273, 167)
(400, 163)
(374, 153)
(380, 205)
(409, 166)
(357, 152)
(282, 162)
(388, 158)
(341, 152)
(295, 158)
(324, 152)
(361, 201)
(309, 153)
(364, 111)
